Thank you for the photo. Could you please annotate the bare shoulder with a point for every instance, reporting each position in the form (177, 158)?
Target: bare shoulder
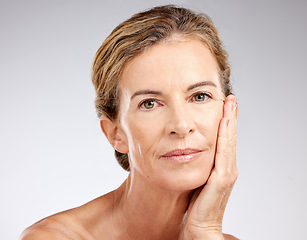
(74, 224)
(229, 237)
(61, 226)
(46, 229)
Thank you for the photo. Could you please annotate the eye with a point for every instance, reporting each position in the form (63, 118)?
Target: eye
(148, 104)
(201, 97)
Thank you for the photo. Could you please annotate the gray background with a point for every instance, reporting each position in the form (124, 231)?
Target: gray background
(54, 156)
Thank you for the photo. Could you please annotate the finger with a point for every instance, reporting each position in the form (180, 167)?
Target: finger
(233, 131)
(228, 105)
(222, 148)
(230, 112)
(234, 114)
(225, 159)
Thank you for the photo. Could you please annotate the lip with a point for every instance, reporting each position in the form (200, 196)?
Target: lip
(182, 155)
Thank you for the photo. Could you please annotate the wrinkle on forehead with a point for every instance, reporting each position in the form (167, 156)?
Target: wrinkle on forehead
(176, 74)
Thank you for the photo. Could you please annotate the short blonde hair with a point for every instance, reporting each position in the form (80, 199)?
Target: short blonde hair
(140, 32)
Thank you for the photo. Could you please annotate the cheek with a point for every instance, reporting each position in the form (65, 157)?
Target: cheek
(208, 124)
(143, 134)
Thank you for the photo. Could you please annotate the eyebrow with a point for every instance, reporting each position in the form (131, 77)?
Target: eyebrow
(200, 84)
(144, 92)
(152, 92)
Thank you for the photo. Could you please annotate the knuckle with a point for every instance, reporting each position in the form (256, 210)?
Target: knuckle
(224, 181)
(236, 173)
(227, 151)
(228, 177)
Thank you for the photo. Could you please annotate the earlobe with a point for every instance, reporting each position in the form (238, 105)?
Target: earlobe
(114, 134)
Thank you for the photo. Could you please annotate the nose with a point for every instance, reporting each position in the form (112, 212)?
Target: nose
(181, 122)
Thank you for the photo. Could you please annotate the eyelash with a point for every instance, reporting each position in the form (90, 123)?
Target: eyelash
(208, 96)
(156, 102)
(141, 105)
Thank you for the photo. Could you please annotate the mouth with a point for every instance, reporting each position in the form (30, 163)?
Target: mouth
(182, 155)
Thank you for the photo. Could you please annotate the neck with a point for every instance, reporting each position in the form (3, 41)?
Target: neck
(149, 212)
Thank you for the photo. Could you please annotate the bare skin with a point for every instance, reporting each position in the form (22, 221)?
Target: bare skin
(161, 199)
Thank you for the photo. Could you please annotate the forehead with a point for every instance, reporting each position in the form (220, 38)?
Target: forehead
(180, 62)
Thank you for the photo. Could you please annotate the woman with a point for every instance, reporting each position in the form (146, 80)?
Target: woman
(165, 105)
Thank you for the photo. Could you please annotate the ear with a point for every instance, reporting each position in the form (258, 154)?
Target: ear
(114, 134)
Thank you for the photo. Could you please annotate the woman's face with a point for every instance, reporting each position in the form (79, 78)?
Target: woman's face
(170, 109)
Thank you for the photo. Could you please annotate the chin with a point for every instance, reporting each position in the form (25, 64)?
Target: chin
(185, 178)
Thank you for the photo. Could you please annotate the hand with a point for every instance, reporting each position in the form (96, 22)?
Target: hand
(206, 210)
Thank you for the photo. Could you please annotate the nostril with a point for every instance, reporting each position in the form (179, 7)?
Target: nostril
(182, 133)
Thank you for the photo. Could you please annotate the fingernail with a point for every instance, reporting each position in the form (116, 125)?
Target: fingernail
(234, 107)
(234, 104)
(227, 122)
